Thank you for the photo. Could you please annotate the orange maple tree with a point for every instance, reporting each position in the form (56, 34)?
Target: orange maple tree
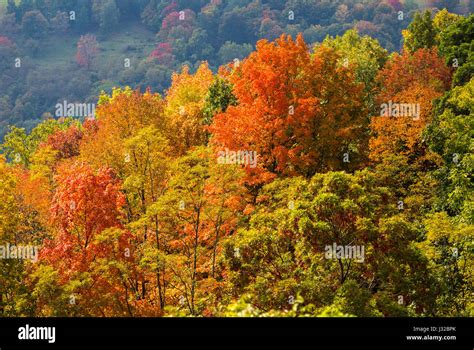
(411, 79)
(86, 217)
(300, 112)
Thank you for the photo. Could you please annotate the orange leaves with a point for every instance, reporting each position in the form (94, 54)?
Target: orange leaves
(85, 203)
(407, 80)
(66, 142)
(150, 208)
(35, 193)
(424, 67)
(120, 117)
(297, 111)
(402, 134)
(127, 110)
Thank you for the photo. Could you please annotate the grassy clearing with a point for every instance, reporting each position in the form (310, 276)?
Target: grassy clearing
(128, 41)
(133, 39)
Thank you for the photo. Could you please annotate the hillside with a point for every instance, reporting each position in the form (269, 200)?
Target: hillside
(157, 38)
(221, 160)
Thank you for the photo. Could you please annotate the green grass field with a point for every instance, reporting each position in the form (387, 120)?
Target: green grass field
(131, 41)
(59, 51)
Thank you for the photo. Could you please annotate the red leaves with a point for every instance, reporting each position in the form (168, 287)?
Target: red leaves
(4, 41)
(163, 53)
(66, 142)
(395, 4)
(424, 67)
(408, 79)
(295, 110)
(87, 199)
(85, 203)
(173, 19)
(87, 49)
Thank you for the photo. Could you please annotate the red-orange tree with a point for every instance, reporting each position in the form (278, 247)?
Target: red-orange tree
(90, 243)
(411, 78)
(299, 112)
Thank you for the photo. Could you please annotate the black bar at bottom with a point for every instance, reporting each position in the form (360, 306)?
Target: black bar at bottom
(416, 333)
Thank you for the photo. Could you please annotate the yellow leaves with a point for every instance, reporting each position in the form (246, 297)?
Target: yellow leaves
(407, 37)
(43, 161)
(185, 101)
(8, 205)
(116, 91)
(110, 235)
(443, 19)
(121, 116)
(188, 90)
(448, 242)
(441, 228)
(463, 96)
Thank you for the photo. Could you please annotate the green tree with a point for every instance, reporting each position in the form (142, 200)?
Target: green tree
(201, 205)
(109, 16)
(366, 55)
(457, 47)
(19, 146)
(421, 32)
(13, 9)
(218, 98)
(451, 135)
(19, 227)
(231, 51)
(449, 246)
(283, 252)
(83, 15)
(34, 24)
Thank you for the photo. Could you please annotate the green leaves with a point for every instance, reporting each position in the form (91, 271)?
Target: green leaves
(451, 136)
(19, 146)
(457, 47)
(449, 246)
(150, 210)
(287, 243)
(421, 32)
(366, 55)
(218, 98)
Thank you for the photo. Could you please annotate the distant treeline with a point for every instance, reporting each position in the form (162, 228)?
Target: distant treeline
(187, 32)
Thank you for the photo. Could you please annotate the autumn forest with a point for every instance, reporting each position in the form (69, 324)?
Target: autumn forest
(329, 178)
